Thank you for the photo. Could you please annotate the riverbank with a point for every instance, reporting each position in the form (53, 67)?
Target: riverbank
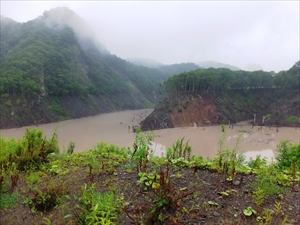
(113, 128)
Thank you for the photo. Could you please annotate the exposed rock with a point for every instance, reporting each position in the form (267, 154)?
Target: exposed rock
(205, 109)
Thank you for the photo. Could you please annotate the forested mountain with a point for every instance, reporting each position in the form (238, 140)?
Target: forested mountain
(54, 68)
(225, 79)
(220, 96)
(46, 56)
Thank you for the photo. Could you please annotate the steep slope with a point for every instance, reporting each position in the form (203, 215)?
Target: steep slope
(220, 96)
(51, 70)
(203, 109)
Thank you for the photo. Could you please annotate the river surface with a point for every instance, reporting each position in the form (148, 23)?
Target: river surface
(116, 128)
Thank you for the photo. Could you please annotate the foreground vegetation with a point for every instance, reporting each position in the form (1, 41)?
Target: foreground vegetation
(112, 185)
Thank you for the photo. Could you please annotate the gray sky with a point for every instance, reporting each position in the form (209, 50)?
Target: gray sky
(249, 34)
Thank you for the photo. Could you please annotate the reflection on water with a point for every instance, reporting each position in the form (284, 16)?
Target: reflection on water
(158, 149)
(113, 128)
(204, 140)
(267, 153)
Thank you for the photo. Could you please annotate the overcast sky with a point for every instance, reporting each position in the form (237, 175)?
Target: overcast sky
(249, 35)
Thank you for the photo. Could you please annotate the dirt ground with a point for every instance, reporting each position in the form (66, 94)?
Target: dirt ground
(203, 203)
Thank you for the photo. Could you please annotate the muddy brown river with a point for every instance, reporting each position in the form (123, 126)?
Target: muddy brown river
(113, 128)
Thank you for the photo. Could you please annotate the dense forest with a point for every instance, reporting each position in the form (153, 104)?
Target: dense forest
(40, 58)
(55, 58)
(54, 68)
(37, 59)
(225, 79)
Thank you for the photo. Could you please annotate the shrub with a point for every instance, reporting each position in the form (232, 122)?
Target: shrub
(288, 153)
(47, 197)
(292, 119)
(31, 151)
(98, 208)
(179, 149)
(142, 150)
(33, 178)
(8, 200)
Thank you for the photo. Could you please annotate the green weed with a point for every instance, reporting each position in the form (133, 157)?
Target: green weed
(8, 201)
(98, 208)
(33, 178)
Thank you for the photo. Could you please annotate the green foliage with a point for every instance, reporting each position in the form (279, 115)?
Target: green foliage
(47, 197)
(197, 162)
(98, 208)
(249, 211)
(267, 116)
(8, 201)
(228, 160)
(33, 178)
(224, 79)
(223, 127)
(111, 152)
(266, 181)
(288, 153)
(148, 180)
(56, 107)
(71, 147)
(8, 103)
(35, 53)
(166, 195)
(259, 196)
(142, 150)
(56, 168)
(32, 151)
(179, 149)
(292, 119)
(257, 163)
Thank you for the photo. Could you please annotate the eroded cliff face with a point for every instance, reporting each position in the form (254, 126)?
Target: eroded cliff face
(181, 110)
(277, 107)
(194, 111)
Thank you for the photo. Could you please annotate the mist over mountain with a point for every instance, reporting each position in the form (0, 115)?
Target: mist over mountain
(62, 17)
(145, 62)
(214, 64)
(178, 68)
(54, 68)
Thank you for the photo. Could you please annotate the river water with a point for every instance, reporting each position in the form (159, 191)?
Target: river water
(115, 128)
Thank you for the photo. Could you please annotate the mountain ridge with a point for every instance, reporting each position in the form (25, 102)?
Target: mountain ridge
(45, 64)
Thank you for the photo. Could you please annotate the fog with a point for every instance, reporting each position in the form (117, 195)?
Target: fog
(251, 35)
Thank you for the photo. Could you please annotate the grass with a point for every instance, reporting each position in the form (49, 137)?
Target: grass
(8, 201)
(113, 185)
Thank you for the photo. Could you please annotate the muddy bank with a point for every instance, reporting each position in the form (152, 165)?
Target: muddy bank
(270, 107)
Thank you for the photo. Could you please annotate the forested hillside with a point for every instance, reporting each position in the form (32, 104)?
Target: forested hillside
(226, 79)
(220, 96)
(53, 68)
